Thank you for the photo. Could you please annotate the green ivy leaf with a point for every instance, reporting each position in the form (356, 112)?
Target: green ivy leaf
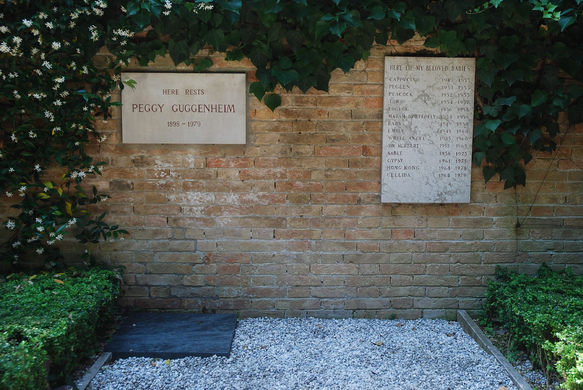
(534, 135)
(178, 51)
(216, 38)
(491, 110)
(234, 54)
(492, 124)
(259, 56)
(523, 110)
(488, 172)
(478, 157)
(508, 139)
(338, 28)
(286, 77)
(202, 64)
(257, 89)
(538, 98)
(486, 71)
(377, 13)
(272, 101)
(507, 101)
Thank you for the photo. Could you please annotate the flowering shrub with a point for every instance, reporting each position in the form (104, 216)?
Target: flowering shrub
(50, 93)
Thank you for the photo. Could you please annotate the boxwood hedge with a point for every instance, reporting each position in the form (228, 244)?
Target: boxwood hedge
(544, 315)
(50, 321)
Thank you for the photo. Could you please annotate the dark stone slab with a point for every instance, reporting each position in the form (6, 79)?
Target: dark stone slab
(173, 335)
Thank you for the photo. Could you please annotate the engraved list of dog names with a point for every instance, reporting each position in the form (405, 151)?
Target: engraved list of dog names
(184, 108)
(427, 130)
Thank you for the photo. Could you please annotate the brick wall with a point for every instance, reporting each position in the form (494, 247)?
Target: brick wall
(291, 223)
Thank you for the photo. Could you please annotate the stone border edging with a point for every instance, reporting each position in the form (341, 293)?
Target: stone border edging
(93, 370)
(468, 324)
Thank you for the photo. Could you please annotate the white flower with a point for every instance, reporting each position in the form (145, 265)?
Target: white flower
(9, 194)
(27, 22)
(50, 25)
(16, 94)
(38, 220)
(37, 167)
(11, 169)
(60, 79)
(4, 29)
(47, 65)
(22, 188)
(40, 229)
(59, 237)
(94, 33)
(16, 244)
(35, 32)
(10, 225)
(46, 189)
(17, 41)
(203, 6)
(32, 134)
(33, 239)
(84, 71)
(123, 9)
(72, 221)
(42, 15)
(58, 102)
(14, 138)
(56, 45)
(4, 47)
(40, 251)
(50, 242)
(38, 71)
(166, 13)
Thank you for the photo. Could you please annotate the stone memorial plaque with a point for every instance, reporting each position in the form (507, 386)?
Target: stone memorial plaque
(184, 108)
(427, 129)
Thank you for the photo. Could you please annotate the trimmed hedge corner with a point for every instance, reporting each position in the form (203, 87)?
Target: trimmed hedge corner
(48, 322)
(544, 315)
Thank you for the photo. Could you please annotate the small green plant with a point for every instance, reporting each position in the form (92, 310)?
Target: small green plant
(49, 321)
(543, 314)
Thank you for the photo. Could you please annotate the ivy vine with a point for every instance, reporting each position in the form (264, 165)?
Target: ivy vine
(529, 71)
(529, 57)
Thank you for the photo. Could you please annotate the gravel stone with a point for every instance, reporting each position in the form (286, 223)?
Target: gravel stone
(312, 353)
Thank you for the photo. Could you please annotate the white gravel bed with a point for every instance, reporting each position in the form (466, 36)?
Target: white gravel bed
(312, 353)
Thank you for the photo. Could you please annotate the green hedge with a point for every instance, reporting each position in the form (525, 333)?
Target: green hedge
(49, 322)
(544, 315)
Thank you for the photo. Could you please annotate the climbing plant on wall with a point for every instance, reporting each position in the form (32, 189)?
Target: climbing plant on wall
(528, 55)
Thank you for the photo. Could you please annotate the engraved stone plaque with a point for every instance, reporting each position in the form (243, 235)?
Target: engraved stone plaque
(427, 129)
(184, 108)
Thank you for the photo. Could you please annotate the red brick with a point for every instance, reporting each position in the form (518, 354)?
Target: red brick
(347, 150)
(229, 162)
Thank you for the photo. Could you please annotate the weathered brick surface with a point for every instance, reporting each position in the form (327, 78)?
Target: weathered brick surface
(291, 223)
